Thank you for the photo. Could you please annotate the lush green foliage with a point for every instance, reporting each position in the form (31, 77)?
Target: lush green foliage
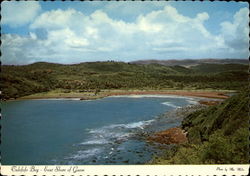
(217, 135)
(17, 81)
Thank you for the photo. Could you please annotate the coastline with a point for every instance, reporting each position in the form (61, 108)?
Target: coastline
(200, 133)
(108, 93)
(172, 135)
(175, 134)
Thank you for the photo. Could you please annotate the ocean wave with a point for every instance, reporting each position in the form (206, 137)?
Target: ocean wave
(192, 101)
(170, 104)
(139, 124)
(83, 154)
(104, 141)
(115, 132)
(108, 134)
(113, 127)
(107, 137)
(95, 142)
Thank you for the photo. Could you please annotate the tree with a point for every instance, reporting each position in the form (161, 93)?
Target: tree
(97, 91)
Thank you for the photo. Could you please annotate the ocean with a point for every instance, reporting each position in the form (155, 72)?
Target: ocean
(69, 131)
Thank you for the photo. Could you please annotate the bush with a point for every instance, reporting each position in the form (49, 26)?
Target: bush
(218, 150)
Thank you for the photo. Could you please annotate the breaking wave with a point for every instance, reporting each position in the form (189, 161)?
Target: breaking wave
(170, 104)
(106, 137)
(83, 154)
(192, 101)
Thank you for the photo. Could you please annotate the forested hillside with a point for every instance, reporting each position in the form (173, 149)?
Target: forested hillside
(216, 135)
(18, 81)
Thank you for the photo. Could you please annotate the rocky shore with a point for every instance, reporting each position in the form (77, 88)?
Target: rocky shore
(209, 102)
(176, 135)
(170, 136)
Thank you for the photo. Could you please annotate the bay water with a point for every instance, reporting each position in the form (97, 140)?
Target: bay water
(69, 131)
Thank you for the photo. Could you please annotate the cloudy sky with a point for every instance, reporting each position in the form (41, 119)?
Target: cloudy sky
(73, 32)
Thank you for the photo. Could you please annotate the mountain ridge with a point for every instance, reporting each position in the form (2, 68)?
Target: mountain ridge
(171, 62)
(191, 62)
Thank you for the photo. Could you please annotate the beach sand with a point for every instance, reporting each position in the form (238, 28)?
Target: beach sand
(106, 93)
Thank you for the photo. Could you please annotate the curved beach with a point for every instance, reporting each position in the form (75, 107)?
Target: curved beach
(106, 93)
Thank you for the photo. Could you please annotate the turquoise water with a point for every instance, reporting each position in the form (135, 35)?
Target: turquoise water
(105, 131)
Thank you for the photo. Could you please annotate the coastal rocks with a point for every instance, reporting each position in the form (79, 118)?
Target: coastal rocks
(209, 103)
(170, 136)
(174, 135)
(83, 98)
(180, 113)
(177, 135)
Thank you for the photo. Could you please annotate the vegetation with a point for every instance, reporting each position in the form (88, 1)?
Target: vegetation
(18, 81)
(217, 135)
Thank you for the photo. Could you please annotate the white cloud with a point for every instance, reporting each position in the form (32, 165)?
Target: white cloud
(18, 13)
(235, 33)
(66, 38)
(55, 19)
(74, 37)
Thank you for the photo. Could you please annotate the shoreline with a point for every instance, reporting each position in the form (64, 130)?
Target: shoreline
(178, 93)
(175, 134)
(103, 94)
(172, 135)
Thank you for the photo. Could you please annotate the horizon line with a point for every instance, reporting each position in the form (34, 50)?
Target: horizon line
(110, 60)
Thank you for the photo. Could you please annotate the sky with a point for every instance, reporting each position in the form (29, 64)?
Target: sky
(74, 32)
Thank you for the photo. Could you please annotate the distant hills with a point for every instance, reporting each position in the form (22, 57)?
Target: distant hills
(192, 62)
(18, 81)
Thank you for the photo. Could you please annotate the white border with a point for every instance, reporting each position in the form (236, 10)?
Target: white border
(125, 170)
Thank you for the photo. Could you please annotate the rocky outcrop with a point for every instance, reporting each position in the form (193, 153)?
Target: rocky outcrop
(209, 103)
(171, 136)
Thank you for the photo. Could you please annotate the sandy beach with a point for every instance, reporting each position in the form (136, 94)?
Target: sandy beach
(106, 93)
(219, 95)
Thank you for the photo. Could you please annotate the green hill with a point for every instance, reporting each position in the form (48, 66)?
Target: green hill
(212, 68)
(192, 62)
(18, 81)
(216, 135)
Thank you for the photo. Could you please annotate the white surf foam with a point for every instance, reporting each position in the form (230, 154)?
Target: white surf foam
(139, 124)
(105, 133)
(170, 104)
(95, 142)
(111, 133)
(192, 101)
(83, 154)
